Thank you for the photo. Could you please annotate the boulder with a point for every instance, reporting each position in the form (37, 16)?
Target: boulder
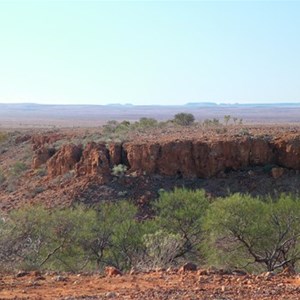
(112, 271)
(188, 267)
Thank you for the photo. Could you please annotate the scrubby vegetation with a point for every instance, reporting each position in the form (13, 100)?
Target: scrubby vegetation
(238, 231)
(255, 232)
(119, 131)
(2, 176)
(17, 168)
(119, 170)
(3, 137)
(114, 130)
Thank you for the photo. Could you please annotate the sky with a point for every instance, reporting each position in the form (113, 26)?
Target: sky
(149, 52)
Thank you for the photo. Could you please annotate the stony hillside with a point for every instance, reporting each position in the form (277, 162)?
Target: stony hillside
(62, 167)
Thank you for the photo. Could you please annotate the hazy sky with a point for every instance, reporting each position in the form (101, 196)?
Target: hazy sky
(149, 52)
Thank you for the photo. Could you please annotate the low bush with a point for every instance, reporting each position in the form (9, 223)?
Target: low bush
(161, 249)
(211, 122)
(2, 176)
(119, 170)
(181, 212)
(184, 119)
(236, 231)
(115, 130)
(3, 137)
(18, 168)
(255, 233)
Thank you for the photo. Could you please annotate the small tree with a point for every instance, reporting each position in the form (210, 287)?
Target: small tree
(227, 119)
(71, 239)
(246, 231)
(116, 235)
(181, 212)
(40, 239)
(184, 119)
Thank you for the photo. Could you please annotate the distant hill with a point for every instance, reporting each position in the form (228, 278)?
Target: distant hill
(201, 104)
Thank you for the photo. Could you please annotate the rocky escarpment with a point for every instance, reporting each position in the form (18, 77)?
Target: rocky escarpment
(201, 158)
(198, 158)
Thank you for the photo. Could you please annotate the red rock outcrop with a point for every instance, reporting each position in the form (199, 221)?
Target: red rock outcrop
(115, 154)
(193, 158)
(64, 160)
(288, 151)
(41, 156)
(95, 162)
(188, 158)
(22, 139)
(40, 140)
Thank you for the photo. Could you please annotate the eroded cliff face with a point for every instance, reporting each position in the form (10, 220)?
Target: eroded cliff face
(287, 152)
(187, 158)
(95, 161)
(192, 158)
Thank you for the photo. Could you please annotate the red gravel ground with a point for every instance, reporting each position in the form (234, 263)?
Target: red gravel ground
(152, 285)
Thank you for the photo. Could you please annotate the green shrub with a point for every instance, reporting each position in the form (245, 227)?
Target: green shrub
(71, 239)
(237, 231)
(211, 122)
(2, 176)
(227, 119)
(18, 168)
(119, 170)
(184, 119)
(161, 249)
(181, 212)
(247, 231)
(145, 123)
(115, 130)
(3, 137)
(41, 172)
(116, 235)
(244, 132)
